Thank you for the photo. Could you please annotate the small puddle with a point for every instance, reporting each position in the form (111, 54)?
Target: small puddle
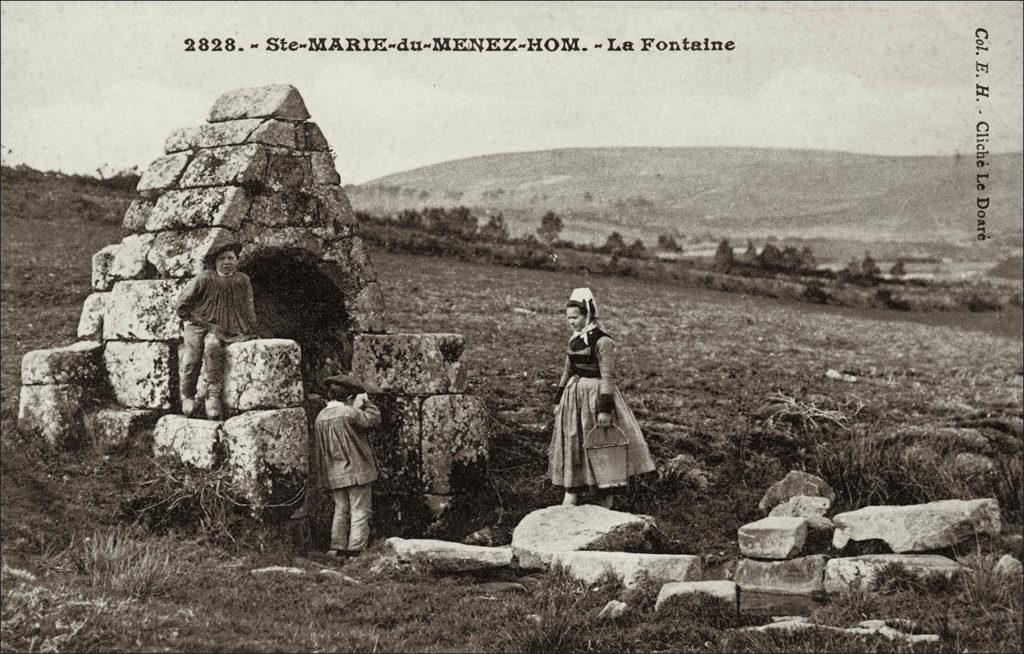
(769, 604)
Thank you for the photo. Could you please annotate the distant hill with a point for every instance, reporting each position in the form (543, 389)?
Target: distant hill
(724, 191)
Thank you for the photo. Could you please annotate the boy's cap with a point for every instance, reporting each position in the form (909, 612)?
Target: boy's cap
(221, 244)
(344, 384)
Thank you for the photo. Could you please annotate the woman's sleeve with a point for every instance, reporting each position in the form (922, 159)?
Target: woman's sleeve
(566, 371)
(604, 348)
(188, 296)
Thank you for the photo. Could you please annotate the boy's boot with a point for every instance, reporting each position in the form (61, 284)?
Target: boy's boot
(188, 406)
(214, 407)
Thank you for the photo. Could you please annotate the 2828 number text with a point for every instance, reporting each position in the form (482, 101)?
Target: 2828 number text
(210, 45)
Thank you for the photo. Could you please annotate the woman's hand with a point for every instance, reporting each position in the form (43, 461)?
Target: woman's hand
(604, 420)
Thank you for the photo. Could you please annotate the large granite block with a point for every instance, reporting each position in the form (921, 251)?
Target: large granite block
(263, 374)
(142, 310)
(396, 443)
(102, 260)
(78, 363)
(632, 568)
(232, 165)
(267, 456)
(90, 323)
(180, 254)
(141, 375)
(215, 206)
(188, 440)
(773, 538)
(411, 364)
(232, 132)
(162, 174)
(273, 101)
(53, 412)
(919, 527)
(366, 311)
(117, 430)
(858, 572)
(454, 431)
(137, 214)
(800, 576)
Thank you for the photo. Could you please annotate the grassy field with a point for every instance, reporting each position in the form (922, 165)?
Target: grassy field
(728, 387)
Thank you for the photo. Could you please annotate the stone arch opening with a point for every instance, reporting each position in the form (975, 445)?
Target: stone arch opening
(295, 299)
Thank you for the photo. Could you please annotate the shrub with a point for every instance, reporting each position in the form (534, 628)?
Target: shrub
(129, 564)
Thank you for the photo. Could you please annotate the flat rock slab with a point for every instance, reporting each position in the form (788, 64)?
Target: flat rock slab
(412, 364)
(142, 310)
(78, 363)
(272, 101)
(53, 412)
(865, 628)
(140, 374)
(263, 374)
(795, 483)
(188, 440)
(858, 572)
(455, 557)
(800, 576)
(919, 527)
(725, 590)
(632, 568)
(773, 538)
(546, 532)
(802, 506)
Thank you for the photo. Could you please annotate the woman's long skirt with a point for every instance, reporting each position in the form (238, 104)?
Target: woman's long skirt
(576, 416)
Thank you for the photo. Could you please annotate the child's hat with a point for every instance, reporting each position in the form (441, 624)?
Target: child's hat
(222, 243)
(344, 384)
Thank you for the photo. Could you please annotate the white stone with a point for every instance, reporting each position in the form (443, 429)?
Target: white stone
(800, 576)
(140, 374)
(725, 590)
(919, 527)
(53, 412)
(163, 173)
(796, 482)
(77, 363)
(90, 324)
(858, 572)
(612, 610)
(272, 101)
(232, 165)
(267, 456)
(143, 310)
(545, 532)
(1008, 566)
(278, 569)
(215, 206)
(263, 374)
(773, 538)
(189, 440)
(632, 568)
(450, 556)
(180, 254)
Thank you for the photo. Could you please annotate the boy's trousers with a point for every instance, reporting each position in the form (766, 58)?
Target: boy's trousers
(200, 345)
(350, 529)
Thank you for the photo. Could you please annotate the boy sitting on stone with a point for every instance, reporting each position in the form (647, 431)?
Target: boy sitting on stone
(217, 307)
(347, 462)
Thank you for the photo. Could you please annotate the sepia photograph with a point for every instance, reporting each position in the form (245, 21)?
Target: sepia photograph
(395, 326)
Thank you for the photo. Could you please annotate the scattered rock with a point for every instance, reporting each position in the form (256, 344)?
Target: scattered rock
(773, 538)
(278, 569)
(800, 576)
(451, 556)
(725, 590)
(612, 610)
(1008, 566)
(795, 483)
(802, 506)
(842, 574)
(840, 376)
(919, 527)
(589, 567)
(334, 574)
(545, 532)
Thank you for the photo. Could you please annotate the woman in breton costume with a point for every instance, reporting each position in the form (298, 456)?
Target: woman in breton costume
(587, 399)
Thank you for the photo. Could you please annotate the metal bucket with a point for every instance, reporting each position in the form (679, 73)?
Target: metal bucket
(606, 455)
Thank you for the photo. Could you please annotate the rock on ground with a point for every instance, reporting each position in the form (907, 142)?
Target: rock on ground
(795, 483)
(632, 568)
(773, 538)
(449, 556)
(1008, 566)
(800, 576)
(263, 374)
(802, 506)
(53, 412)
(919, 527)
(859, 571)
(545, 532)
(725, 590)
(612, 610)
(188, 440)
(78, 363)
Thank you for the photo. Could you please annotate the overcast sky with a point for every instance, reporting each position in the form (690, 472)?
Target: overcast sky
(91, 83)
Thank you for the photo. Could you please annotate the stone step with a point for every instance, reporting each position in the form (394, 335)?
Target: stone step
(632, 568)
(919, 527)
(446, 555)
